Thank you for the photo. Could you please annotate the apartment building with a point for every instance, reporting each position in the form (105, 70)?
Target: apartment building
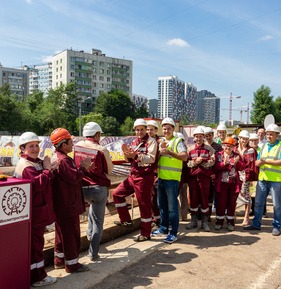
(208, 107)
(153, 107)
(139, 100)
(18, 80)
(176, 98)
(40, 78)
(171, 97)
(94, 73)
(191, 99)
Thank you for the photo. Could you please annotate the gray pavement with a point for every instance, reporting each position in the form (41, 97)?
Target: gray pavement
(216, 260)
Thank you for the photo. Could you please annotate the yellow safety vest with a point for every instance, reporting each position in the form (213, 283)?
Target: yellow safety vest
(269, 172)
(169, 168)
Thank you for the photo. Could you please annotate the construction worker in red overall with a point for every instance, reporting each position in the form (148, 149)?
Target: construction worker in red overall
(227, 183)
(142, 155)
(40, 174)
(201, 158)
(68, 203)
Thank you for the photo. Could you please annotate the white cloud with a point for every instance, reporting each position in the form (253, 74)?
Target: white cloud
(178, 42)
(28, 1)
(265, 38)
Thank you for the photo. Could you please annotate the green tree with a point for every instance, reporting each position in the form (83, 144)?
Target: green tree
(116, 103)
(12, 114)
(127, 127)
(33, 100)
(263, 104)
(59, 109)
(96, 117)
(277, 108)
(110, 126)
(142, 112)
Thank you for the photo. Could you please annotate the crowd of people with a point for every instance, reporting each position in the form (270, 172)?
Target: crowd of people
(211, 174)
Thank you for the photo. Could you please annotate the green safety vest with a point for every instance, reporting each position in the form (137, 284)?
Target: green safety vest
(269, 172)
(169, 168)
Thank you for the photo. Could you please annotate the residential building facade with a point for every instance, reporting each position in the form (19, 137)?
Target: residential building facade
(171, 97)
(94, 73)
(152, 107)
(139, 100)
(208, 107)
(176, 99)
(191, 98)
(18, 80)
(40, 78)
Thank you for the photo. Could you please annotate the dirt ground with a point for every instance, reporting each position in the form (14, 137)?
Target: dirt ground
(214, 260)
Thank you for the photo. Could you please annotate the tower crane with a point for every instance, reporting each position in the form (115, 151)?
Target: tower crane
(244, 109)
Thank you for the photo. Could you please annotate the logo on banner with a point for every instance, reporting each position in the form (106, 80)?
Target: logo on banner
(14, 201)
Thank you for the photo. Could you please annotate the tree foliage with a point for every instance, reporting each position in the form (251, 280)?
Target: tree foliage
(263, 104)
(114, 111)
(110, 126)
(127, 127)
(277, 109)
(116, 103)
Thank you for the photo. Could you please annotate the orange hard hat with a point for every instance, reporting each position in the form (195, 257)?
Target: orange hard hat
(59, 134)
(229, 141)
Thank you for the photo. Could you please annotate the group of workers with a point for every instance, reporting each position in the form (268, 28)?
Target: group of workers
(60, 187)
(216, 172)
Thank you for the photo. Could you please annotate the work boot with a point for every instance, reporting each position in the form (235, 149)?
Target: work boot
(194, 223)
(205, 225)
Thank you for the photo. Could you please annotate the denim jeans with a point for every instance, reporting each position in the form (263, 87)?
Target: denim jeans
(168, 191)
(97, 197)
(262, 190)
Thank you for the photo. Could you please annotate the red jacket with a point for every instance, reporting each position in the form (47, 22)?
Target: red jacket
(41, 180)
(67, 189)
(204, 151)
(102, 164)
(227, 171)
(146, 151)
(251, 170)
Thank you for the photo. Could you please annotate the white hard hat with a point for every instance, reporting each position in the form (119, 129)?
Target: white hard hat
(153, 123)
(208, 130)
(253, 136)
(273, 127)
(244, 133)
(140, 121)
(28, 137)
(198, 130)
(91, 128)
(221, 126)
(178, 134)
(168, 120)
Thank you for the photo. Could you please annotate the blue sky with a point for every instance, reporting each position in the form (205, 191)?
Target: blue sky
(219, 45)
